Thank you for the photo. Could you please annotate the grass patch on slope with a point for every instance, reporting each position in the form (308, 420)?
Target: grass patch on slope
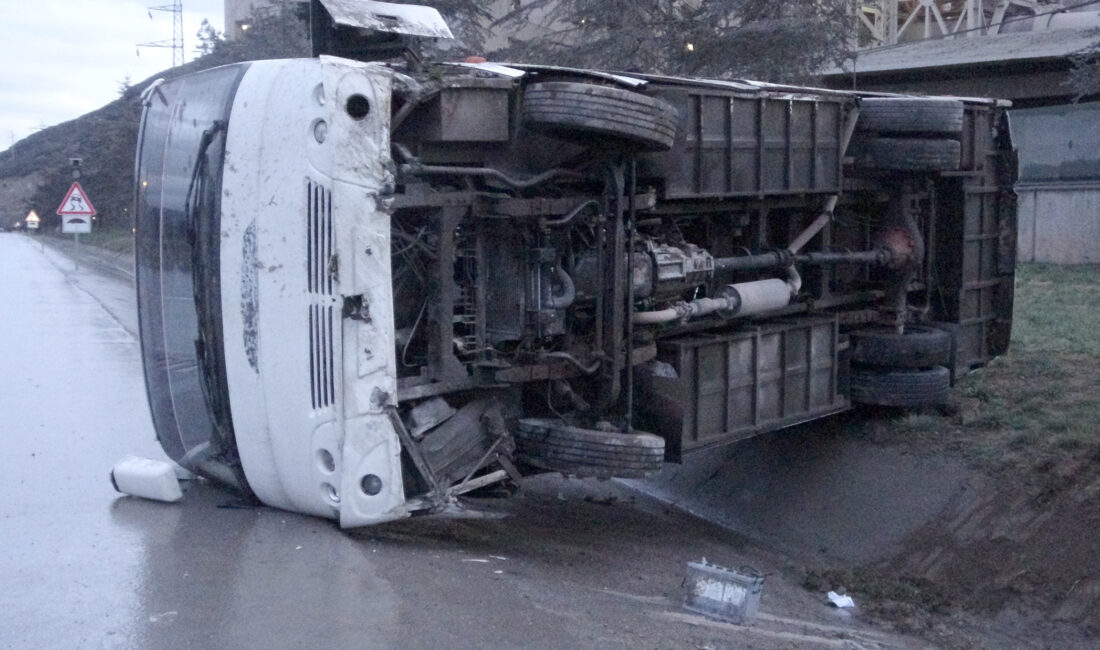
(1041, 401)
(117, 240)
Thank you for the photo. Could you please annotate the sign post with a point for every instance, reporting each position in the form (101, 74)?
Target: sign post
(76, 212)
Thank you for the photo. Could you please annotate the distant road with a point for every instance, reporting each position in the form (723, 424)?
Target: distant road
(72, 402)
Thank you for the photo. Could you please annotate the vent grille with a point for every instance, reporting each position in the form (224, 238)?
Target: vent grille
(319, 252)
(322, 366)
(319, 239)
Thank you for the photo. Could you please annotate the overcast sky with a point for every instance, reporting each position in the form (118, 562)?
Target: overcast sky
(60, 59)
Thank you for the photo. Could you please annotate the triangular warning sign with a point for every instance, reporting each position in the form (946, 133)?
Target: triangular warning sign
(76, 202)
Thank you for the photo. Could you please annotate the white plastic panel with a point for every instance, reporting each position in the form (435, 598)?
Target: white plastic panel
(306, 158)
(413, 20)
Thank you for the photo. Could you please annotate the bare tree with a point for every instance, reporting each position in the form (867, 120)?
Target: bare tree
(125, 85)
(775, 41)
(208, 38)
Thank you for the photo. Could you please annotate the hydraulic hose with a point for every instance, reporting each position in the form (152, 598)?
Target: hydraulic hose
(418, 169)
(566, 297)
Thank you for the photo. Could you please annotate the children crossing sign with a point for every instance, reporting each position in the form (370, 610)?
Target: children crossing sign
(76, 211)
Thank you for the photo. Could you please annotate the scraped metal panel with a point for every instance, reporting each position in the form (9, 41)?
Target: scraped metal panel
(980, 280)
(744, 171)
(478, 110)
(751, 145)
(736, 385)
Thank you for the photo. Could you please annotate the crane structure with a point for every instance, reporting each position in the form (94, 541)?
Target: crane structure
(888, 22)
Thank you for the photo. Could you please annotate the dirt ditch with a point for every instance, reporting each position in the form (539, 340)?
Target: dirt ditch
(927, 533)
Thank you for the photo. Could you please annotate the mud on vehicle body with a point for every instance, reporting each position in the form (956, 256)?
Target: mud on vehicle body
(367, 288)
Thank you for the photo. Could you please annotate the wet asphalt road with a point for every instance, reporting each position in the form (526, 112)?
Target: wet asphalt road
(567, 564)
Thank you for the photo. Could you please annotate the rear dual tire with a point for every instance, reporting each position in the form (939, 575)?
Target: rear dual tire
(904, 370)
(914, 134)
(907, 154)
(901, 387)
(909, 115)
(920, 346)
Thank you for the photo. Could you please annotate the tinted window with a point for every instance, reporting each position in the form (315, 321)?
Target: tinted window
(179, 164)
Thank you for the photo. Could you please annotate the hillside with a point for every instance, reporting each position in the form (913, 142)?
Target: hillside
(36, 171)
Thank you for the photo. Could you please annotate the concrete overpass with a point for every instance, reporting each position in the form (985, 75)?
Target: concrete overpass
(1030, 68)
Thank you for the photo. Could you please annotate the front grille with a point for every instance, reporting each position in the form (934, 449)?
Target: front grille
(319, 252)
(319, 239)
(322, 364)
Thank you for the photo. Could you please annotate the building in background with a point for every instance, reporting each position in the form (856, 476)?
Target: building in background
(1059, 185)
(1020, 50)
(239, 13)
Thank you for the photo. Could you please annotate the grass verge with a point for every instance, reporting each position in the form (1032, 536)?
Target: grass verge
(1037, 404)
(1028, 421)
(116, 240)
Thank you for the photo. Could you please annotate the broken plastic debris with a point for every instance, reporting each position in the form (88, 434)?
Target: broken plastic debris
(146, 478)
(166, 616)
(721, 593)
(839, 601)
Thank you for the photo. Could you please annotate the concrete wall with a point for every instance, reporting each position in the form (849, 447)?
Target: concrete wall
(1059, 185)
(1059, 223)
(1058, 143)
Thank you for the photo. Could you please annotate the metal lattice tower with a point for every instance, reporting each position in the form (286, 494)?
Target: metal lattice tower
(176, 42)
(886, 22)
